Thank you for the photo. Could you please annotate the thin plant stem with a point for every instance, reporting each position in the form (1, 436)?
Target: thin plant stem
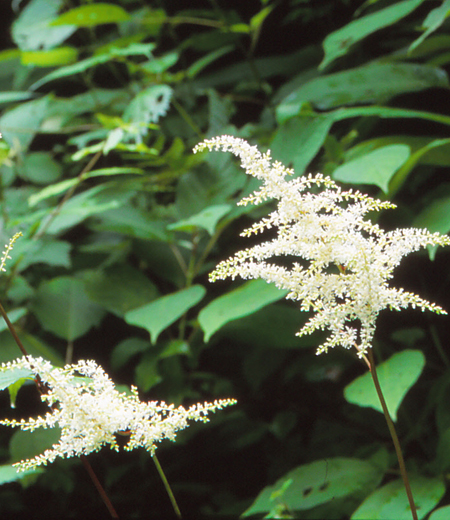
(99, 487)
(398, 450)
(167, 486)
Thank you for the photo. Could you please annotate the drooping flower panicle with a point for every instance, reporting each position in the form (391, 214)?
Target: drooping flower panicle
(343, 261)
(90, 411)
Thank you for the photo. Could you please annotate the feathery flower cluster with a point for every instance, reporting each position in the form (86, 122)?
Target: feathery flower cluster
(343, 263)
(8, 248)
(85, 404)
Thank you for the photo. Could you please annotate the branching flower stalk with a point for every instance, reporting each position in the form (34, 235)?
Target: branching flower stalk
(342, 262)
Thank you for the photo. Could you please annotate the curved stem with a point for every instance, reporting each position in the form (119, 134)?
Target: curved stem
(398, 450)
(167, 486)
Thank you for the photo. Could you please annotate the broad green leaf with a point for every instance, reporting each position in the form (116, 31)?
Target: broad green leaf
(319, 482)
(10, 474)
(443, 513)
(40, 168)
(20, 124)
(433, 21)
(396, 375)
(33, 345)
(238, 303)
(92, 15)
(50, 57)
(62, 307)
(132, 222)
(377, 167)
(375, 82)
(206, 219)
(32, 31)
(159, 314)
(390, 501)
(10, 376)
(13, 315)
(339, 42)
(26, 444)
(119, 288)
(299, 139)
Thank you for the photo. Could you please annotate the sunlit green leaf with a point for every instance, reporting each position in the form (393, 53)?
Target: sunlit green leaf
(396, 375)
(377, 167)
(62, 307)
(50, 57)
(318, 483)
(92, 15)
(236, 304)
(206, 219)
(159, 314)
(390, 501)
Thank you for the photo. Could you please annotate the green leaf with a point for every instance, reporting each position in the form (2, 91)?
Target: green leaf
(339, 42)
(206, 219)
(26, 444)
(10, 474)
(50, 57)
(83, 65)
(20, 124)
(13, 315)
(299, 139)
(320, 482)
(238, 303)
(433, 21)
(9, 376)
(396, 375)
(92, 15)
(62, 307)
(40, 168)
(375, 82)
(390, 501)
(125, 350)
(377, 167)
(146, 373)
(51, 191)
(119, 288)
(443, 513)
(13, 97)
(159, 314)
(32, 31)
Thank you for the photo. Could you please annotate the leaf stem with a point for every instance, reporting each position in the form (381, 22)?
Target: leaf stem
(398, 450)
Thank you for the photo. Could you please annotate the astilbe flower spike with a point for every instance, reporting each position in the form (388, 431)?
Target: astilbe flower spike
(344, 261)
(90, 411)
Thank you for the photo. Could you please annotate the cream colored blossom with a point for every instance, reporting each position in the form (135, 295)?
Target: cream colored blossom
(85, 404)
(336, 263)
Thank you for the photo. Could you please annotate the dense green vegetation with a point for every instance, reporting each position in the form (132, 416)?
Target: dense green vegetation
(101, 105)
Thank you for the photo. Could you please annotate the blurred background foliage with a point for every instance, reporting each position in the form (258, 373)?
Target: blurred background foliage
(101, 105)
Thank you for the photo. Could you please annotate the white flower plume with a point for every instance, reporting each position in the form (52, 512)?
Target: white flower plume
(343, 262)
(85, 404)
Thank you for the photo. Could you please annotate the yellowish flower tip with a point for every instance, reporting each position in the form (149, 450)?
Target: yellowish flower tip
(91, 412)
(345, 261)
(8, 249)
